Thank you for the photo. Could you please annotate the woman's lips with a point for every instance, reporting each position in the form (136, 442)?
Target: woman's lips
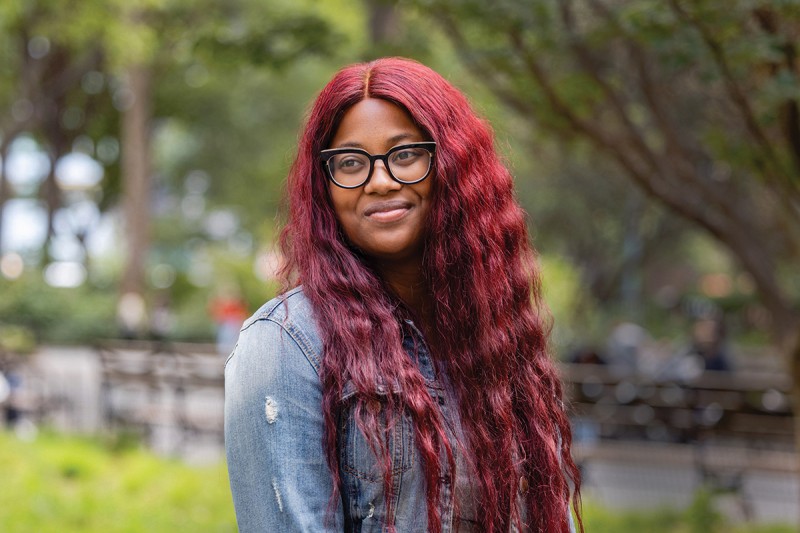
(387, 211)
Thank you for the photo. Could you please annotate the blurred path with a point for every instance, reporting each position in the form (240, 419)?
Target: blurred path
(642, 475)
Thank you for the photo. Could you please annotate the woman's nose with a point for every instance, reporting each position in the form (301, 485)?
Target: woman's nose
(381, 181)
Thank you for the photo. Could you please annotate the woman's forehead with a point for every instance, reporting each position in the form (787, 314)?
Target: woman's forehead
(374, 123)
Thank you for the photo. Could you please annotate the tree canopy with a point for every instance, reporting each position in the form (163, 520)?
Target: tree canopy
(696, 103)
(627, 124)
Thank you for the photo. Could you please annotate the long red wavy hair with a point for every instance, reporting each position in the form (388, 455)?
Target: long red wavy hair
(491, 325)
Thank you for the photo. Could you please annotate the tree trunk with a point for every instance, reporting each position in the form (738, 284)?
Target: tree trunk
(51, 193)
(135, 138)
(794, 366)
(382, 21)
(4, 192)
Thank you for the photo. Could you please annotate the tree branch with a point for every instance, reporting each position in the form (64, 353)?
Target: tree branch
(768, 21)
(482, 70)
(747, 247)
(678, 152)
(589, 65)
(748, 243)
(735, 92)
(676, 162)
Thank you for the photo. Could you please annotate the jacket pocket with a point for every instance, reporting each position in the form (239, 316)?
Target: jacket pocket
(357, 456)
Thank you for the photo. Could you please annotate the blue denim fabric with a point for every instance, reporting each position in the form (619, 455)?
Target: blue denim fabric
(279, 477)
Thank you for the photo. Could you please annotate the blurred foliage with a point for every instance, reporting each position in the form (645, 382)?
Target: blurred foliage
(33, 311)
(703, 516)
(569, 304)
(57, 314)
(700, 516)
(231, 83)
(655, 120)
(17, 340)
(80, 485)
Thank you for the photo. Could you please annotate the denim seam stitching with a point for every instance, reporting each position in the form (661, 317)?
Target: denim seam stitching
(300, 339)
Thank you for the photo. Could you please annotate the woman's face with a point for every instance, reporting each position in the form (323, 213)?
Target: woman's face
(384, 218)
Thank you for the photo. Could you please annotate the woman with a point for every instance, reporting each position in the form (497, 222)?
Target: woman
(404, 383)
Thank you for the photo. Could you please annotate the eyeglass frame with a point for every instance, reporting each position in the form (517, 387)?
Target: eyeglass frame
(326, 155)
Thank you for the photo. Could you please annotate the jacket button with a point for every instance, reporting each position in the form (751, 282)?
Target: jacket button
(523, 484)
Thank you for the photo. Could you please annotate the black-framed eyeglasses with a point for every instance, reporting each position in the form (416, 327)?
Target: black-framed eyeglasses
(351, 168)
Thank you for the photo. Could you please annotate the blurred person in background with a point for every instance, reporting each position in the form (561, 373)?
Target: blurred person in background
(625, 346)
(705, 350)
(229, 311)
(709, 343)
(131, 315)
(402, 380)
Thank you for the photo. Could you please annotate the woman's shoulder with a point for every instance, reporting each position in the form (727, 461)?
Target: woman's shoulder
(292, 305)
(289, 314)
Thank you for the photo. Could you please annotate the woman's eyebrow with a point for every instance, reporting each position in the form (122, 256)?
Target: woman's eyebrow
(400, 137)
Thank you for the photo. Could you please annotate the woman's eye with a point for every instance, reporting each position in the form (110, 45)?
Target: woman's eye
(349, 164)
(405, 156)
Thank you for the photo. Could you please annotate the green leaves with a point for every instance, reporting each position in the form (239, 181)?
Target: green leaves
(274, 43)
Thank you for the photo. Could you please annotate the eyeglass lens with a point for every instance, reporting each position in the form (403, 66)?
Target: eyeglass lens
(353, 168)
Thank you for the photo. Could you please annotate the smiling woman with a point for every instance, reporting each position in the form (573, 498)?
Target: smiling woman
(401, 382)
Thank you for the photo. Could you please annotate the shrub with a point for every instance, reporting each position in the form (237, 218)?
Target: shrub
(70, 484)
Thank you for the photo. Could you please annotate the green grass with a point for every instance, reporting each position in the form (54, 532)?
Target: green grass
(700, 517)
(69, 484)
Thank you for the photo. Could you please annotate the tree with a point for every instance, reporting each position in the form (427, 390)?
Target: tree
(223, 36)
(133, 47)
(696, 103)
(42, 91)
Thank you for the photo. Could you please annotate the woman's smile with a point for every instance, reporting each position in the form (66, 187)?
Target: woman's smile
(387, 212)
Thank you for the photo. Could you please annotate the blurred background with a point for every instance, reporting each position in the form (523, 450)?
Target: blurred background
(143, 146)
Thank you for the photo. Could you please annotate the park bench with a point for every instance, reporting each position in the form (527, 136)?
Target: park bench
(723, 424)
(161, 387)
(750, 409)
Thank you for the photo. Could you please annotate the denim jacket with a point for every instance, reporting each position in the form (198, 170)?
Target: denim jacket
(279, 476)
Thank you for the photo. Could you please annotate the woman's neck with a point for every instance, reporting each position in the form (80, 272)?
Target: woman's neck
(410, 286)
